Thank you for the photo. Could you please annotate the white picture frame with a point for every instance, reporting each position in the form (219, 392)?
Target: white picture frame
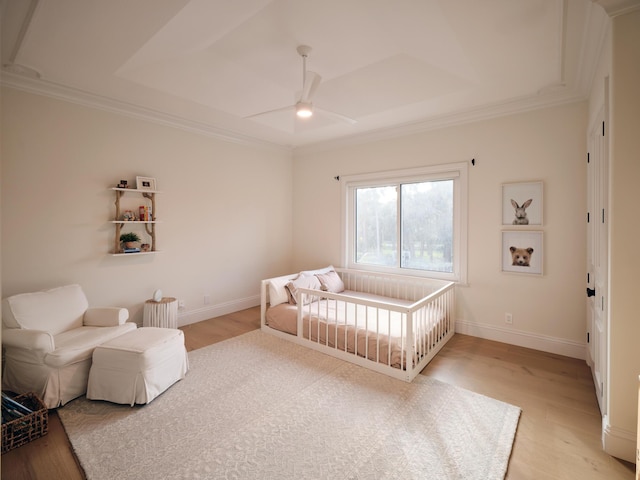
(522, 204)
(523, 251)
(145, 183)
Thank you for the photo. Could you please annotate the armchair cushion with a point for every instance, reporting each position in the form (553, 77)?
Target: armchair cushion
(78, 344)
(53, 311)
(105, 317)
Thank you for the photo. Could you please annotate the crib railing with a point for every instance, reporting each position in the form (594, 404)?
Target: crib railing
(426, 333)
(401, 287)
(397, 335)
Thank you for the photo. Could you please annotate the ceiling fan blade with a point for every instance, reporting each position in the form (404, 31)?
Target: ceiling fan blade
(337, 116)
(282, 109)
(311, 82)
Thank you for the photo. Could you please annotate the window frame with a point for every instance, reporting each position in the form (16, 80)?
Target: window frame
(458, 172)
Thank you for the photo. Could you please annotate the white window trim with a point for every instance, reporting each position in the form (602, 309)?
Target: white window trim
(456, 171)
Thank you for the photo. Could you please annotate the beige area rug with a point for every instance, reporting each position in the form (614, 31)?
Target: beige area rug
(259, 407)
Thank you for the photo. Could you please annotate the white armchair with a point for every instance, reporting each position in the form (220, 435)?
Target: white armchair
(49, 338)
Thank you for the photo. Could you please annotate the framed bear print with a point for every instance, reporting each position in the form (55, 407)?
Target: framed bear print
(522, 203)
(522, 252)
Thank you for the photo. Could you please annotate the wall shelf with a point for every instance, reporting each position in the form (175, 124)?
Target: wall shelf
(149, 225)
(135, 190)
(134, 221)
(133, 254)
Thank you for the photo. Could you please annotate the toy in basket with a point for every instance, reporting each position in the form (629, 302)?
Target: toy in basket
(24, 418)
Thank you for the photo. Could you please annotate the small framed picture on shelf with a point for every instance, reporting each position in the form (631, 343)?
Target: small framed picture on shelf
(145, 183)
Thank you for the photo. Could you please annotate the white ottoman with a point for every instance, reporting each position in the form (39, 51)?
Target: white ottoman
(138, 366)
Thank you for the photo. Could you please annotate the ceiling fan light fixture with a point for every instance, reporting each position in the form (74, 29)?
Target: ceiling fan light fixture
(304, 106)
(304, 109)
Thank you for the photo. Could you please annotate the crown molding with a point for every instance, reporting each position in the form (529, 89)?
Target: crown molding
(60, 92)
(618, 7)
(35, 85)
(486, 112)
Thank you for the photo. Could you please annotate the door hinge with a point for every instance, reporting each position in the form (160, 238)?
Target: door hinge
(603, 128)
(588, 337)
(603, 215)
(588, 277)
(588, 219)
(588, 159)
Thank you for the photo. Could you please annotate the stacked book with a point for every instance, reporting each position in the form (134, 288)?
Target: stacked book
(145, 213)
(131, 250)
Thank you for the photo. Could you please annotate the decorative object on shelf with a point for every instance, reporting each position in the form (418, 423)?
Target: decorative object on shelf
(129, 240)
(123, 184)
(128, 216)
(145, 247)
(157, 295)
(145, 213)
(522, 203)
(145, 183)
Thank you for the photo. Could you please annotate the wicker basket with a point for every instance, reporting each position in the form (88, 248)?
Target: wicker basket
(29, 427)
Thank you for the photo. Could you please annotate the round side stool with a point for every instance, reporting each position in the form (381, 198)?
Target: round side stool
(162, 314)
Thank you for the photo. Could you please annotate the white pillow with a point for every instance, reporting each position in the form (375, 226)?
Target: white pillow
(55, 311)
(311, 273)
(277, 292)
(309, 281)
(330, 282)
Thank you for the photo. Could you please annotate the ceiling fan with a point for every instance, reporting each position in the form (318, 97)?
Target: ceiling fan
(304, 107)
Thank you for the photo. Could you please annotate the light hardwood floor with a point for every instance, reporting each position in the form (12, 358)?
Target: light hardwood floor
(558, 435)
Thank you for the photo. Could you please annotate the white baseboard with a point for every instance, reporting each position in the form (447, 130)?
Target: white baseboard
(618, 442)
(559, 346)
(212, 311)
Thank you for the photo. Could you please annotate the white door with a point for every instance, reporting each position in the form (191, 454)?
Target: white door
(597, 280)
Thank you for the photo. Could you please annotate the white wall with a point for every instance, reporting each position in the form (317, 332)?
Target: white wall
(549, 145)
(225, 208)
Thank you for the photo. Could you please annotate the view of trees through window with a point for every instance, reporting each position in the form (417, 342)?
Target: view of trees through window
(418, 216)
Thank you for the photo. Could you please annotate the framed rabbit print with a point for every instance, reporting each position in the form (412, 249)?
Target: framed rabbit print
(522, 204)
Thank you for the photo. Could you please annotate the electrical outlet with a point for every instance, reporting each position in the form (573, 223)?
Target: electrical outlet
(508, 319)
(180, 304)
(207, 299)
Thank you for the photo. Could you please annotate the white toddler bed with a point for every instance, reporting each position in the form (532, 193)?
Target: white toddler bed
(393, 324)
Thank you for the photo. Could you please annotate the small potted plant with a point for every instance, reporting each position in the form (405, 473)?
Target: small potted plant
(129, 239)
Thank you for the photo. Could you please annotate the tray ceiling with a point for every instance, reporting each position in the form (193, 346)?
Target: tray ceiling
(393, 66)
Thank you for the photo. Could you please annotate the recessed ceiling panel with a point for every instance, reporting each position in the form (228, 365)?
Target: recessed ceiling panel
(390, 83)
(384, 63)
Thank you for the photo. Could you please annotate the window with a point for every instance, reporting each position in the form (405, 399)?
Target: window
(407, 221)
